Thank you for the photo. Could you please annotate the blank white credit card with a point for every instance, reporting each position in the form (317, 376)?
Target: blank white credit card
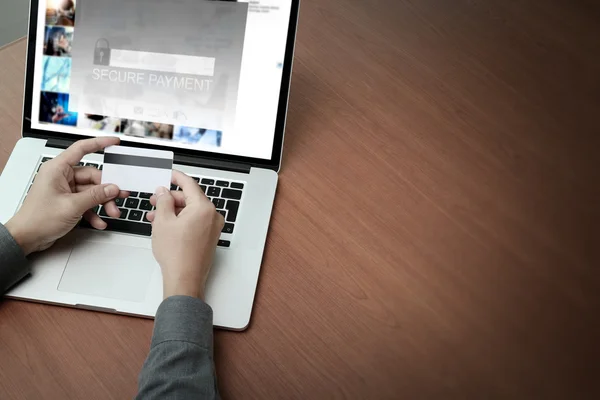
(136, 169)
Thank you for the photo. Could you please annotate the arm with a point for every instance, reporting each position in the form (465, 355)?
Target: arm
(180, 363)
(185, 232)
(69, 192)
(13, 264)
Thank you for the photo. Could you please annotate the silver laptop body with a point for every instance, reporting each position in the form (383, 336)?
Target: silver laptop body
(114, 270)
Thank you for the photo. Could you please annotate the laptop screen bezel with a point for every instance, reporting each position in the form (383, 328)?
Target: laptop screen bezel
(272, 163)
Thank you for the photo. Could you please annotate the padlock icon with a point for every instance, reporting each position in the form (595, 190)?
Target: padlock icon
(102, 52)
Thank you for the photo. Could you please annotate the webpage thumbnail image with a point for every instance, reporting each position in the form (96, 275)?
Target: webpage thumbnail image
(60, 12)
(155, 130)
(54, 108)
(58, 41)
(56, 74)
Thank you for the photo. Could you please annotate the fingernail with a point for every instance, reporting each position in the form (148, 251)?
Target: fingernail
(111, 190)
(161, 190)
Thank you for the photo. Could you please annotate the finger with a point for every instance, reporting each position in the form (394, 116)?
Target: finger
(165, 204)
(177, 195)
(87, 175)
(83, 188)
(76, 151)
(112, 209)
(152, 214)
(99, 194)
(191, 189)
(123, 194)
(221, 219)
(94, 220)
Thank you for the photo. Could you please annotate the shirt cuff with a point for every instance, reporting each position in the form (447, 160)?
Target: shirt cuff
(183, 318)
(13, 264)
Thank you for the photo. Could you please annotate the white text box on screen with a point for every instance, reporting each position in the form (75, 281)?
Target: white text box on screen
(162, 62)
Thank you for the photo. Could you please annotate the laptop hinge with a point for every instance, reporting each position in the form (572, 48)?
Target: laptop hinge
(178, 159)
(58, 143)
(213, 164)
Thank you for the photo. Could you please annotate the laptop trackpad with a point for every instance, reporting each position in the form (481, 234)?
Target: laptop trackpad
(107, 269)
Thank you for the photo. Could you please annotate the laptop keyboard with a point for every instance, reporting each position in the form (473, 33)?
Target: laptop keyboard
(224, 194)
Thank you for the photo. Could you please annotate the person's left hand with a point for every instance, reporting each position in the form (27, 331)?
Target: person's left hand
(61, 194)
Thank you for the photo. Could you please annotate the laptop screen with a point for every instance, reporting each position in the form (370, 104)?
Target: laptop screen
(193, 74)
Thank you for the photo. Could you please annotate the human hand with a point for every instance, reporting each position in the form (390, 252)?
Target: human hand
(60, 195)
(185, 232)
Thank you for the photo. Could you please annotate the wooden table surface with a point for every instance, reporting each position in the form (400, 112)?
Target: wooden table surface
(435, 233)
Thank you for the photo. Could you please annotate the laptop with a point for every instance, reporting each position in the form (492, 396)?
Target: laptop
(208, 80)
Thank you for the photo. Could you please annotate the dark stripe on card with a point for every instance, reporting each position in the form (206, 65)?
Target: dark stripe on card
(138, 161)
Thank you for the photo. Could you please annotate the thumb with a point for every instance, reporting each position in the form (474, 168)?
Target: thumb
(165, 203)
(90, 198)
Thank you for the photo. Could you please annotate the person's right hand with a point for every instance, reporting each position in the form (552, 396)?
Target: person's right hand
(185, 232)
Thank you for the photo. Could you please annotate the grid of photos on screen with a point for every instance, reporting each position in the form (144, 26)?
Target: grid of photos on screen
(173, 133)
(56, 63)
(155, 130)
(54, 103)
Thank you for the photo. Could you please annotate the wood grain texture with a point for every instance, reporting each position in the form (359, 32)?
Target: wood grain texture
(435, 233)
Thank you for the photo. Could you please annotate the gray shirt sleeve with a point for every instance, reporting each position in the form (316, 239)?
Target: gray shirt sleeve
(180, 363)
(13, 264)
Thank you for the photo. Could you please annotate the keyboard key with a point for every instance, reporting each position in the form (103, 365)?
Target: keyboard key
(173, 187)
(224, 243)
(39, 166)
(124, 212)
(103, 212)
(222, 212)
(119, 202)
(207, 181)
(145, 217)
(228, 228)
(222, 183)
(81, 164)
(196, 179)
(92, 165)
(132, 203)
(144, 195)
(219, 203)
(203, 187)
(127, 226)
(237, 185)
(46, 159)
(145, 205)
(100, 167)
(133, 194)
(232, 208)
(135, 215)
(231, 194)
(95, 209)
(213, 191)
